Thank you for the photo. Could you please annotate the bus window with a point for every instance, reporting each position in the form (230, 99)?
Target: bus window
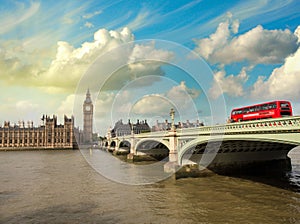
(272, 106)
(239, 111)
(246, 110)
(265, 107)
(284, 105)
(252, 109)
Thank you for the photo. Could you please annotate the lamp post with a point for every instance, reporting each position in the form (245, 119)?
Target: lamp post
(172, 115)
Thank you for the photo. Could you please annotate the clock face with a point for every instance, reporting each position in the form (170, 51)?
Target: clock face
(87, 108)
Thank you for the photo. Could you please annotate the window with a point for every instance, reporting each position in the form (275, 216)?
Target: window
(272, 106)
(252, 109)
(284, 105)
(246, 110)
(265, 107)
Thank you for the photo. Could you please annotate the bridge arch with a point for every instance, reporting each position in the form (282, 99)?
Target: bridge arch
(151, 142)
(113, 144)
(156, 148)
(125, 144)
(235, 149)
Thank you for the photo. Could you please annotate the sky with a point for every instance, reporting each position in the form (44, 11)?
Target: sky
(141, 58)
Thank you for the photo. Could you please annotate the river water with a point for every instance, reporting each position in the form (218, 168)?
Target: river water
(61, 187)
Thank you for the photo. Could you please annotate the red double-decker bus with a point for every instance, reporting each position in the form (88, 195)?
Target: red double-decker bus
(262, 111)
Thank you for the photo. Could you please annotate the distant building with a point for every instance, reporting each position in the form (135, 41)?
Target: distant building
(50, 135)
(189, 124)
(121, 129)
(163, 126)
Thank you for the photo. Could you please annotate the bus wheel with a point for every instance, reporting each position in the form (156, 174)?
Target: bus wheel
(239, 120)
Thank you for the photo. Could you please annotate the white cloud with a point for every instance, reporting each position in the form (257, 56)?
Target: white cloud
(63, 72)
(182, 92)
(91, 15)
(141, 20)
(284, 81)
(258, 45)
(179, 97)
(232, 85)
(149, 53)
(208, 46)
(88, 25)
(26, 105)
(27, 110)
(141, 66)
(9, 21)
(66, 106)
(159, 104)
(20, 65)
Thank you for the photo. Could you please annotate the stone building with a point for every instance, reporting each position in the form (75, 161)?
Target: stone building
(88, 109)
(163, 126)
(49, 135)
(121, 129)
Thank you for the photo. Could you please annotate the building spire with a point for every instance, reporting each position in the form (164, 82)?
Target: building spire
(88, 96)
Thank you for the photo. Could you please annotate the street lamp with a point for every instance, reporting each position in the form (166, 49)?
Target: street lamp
(172, 114)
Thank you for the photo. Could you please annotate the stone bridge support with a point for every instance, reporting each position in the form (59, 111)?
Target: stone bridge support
(172, 166)
(132, 154)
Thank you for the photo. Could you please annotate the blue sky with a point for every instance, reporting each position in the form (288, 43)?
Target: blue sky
(47, 47)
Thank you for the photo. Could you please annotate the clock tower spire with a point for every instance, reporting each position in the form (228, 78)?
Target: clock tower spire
(87, 118)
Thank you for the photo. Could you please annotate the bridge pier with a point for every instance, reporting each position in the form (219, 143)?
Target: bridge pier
(172, 166)
(132, 154)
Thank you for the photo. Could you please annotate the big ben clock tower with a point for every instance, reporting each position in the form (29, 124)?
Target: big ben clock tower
(87, 118)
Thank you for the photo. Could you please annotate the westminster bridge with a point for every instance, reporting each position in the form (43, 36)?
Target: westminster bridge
(232, 145)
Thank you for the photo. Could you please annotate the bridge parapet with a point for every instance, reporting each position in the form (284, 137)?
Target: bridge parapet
(289, 124)
(268, 125)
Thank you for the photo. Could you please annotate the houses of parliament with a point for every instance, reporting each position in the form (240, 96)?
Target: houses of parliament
(50, 134)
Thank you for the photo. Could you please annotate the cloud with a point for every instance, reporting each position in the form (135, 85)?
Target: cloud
(257, 46)
(91, 15)
(143, 19)
(66, 106)
(181, 92)
(20, 14)
(21, 65)
(179, 97)
(26, 105)
(63, 71)
(141, 68)
(88, 25)
(159, 105)
(283, 82)
(232, 85)
(27, 110)
(71, 17)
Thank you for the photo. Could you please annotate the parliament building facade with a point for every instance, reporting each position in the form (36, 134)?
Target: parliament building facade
(49, 135)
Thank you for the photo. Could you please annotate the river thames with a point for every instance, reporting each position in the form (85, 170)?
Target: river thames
(61, 187)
